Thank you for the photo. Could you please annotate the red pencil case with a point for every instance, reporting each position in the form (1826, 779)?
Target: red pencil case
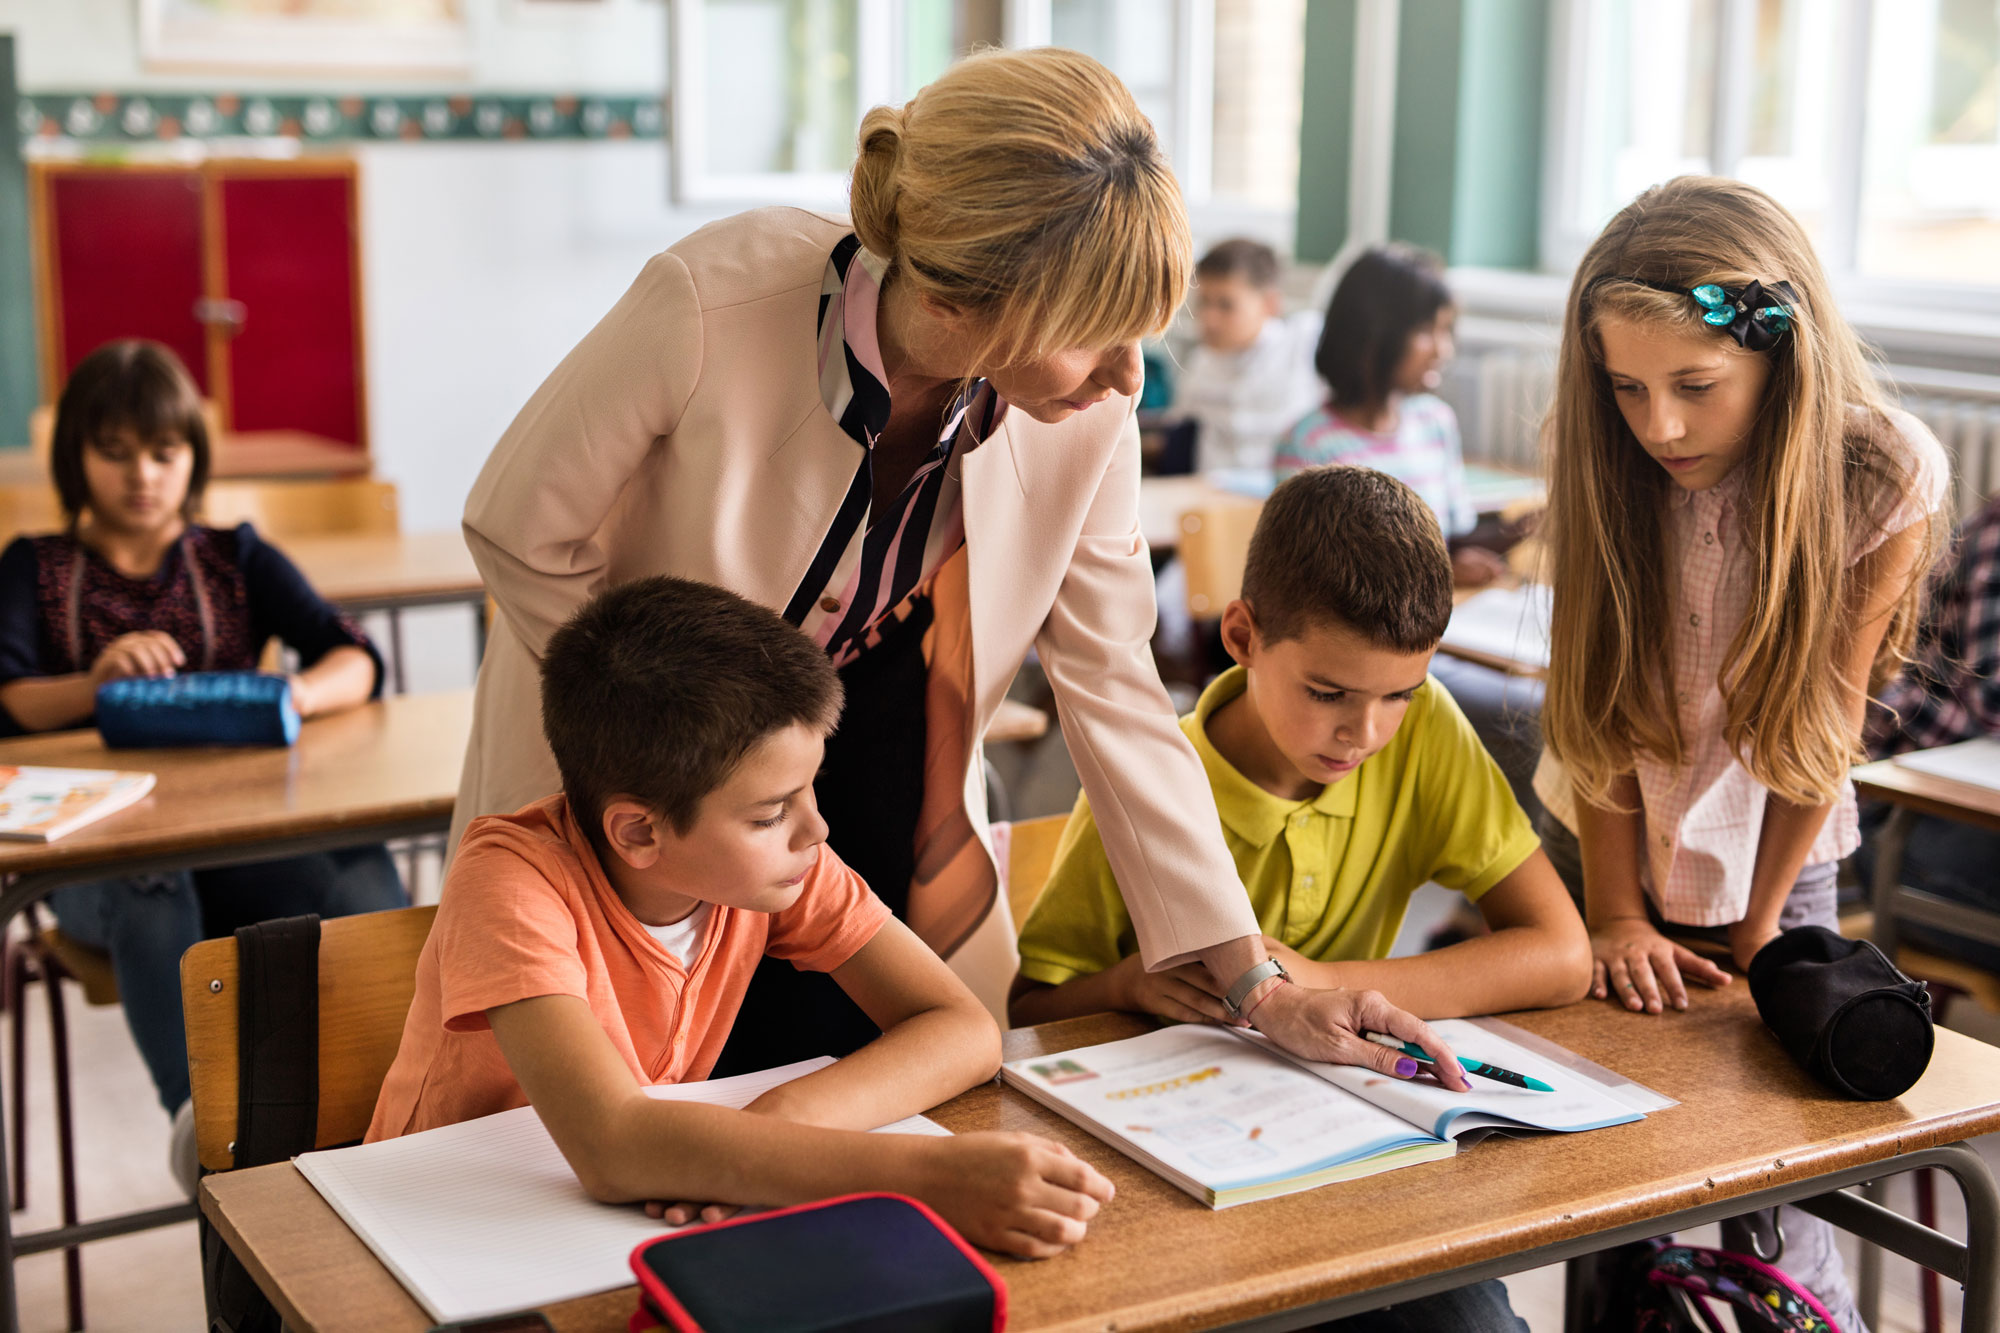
(861, 1263)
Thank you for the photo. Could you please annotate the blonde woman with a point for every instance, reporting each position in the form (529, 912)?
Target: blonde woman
(911, 433)
(1740, 529)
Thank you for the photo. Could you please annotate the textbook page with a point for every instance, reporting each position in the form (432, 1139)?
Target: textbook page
(1578, 1103)
(1218, 1117)
(1510, 623)
(1975, 763)
(43, 804)
(485, 1217)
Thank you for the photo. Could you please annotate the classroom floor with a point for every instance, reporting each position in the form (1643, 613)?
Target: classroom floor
(152, 1281)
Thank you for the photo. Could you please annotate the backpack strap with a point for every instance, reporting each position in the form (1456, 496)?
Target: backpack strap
(277, 1097)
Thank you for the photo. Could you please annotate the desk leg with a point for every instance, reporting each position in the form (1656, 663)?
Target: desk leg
(1868, 1277)
(1579, 1293)
(1889, 845)
(396, 650)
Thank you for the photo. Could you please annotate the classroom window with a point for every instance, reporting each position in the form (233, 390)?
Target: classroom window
(1878, 125)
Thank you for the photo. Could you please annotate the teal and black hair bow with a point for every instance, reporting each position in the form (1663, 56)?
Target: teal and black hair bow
(1757, 315)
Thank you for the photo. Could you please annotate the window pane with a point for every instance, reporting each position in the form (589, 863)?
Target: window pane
(1134, 39)
(781, 92)
(1930, 205)
(1789, 106)
(1259, 84)
(1649, 110)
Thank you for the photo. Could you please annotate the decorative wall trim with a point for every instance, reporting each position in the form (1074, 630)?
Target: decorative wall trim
(155, 117)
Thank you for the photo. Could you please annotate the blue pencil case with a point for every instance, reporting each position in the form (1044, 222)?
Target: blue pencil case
(201, 708)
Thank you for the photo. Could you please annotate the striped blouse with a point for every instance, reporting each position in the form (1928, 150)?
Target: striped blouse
(879, 549)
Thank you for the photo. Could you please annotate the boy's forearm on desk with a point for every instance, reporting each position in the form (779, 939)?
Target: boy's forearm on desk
(1520, 968)
(925, 1060)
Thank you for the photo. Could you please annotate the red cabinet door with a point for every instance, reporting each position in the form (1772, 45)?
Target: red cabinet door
(288, 248)
(124, 261)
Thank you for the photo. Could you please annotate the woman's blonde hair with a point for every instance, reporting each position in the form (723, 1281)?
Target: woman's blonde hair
(1816, 476)
(1025, 188)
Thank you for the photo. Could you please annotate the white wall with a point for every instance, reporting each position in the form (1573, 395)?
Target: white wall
(482, 263)
(610, 46)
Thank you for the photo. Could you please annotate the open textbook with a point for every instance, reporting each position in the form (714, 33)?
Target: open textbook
(485, 1217)
(42, 804)
(1230, 1118)
(1507, 623)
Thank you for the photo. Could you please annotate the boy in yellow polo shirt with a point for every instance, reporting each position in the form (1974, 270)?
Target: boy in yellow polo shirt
(1345, 777)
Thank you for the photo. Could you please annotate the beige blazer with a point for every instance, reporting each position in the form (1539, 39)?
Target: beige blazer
(686, 435)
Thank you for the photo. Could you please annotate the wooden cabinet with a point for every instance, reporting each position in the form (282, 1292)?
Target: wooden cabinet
(249, 270)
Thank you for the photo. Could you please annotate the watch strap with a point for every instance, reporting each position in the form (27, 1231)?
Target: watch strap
(1232, 1002)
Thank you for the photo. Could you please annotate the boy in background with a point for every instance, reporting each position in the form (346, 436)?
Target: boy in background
(1252, 375)
(601, 939)
(1345, 778)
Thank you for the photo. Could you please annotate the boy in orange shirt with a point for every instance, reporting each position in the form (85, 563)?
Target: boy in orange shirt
(601, 939)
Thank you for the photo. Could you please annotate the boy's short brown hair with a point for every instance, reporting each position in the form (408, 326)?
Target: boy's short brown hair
(1253, 261)
(657, 689)
(1352, 546)
(128, 385)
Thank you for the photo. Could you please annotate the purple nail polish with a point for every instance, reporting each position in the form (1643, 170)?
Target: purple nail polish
(1406, 1068)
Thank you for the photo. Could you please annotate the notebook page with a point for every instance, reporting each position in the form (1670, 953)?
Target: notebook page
(1975, 763)
(1505, 622)
(1194, 1102)
(485, 1217)
(1578, 1102)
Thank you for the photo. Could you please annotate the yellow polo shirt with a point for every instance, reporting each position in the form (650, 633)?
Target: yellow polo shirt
(1330, 876)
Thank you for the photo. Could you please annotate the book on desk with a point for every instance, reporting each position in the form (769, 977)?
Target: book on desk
(1230, 1118)
(1976, 763)
(42, 804)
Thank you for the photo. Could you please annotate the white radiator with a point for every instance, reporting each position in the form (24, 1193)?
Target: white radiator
(1501, 391)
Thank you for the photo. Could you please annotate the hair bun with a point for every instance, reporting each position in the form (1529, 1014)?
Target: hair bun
(877, 184)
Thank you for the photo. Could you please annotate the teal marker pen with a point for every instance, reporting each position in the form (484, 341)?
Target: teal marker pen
(1479, 1067)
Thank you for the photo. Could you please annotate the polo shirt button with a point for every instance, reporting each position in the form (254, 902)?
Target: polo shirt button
(829, 604)
(1308, 881)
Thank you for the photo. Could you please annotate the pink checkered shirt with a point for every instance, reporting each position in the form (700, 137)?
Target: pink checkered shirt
(1703, 818)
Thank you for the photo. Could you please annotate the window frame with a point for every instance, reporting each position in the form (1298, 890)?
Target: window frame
(1575, 88)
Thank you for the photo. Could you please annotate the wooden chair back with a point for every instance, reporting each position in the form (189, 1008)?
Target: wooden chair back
(1031, 855)
(367, 976)
(1215, 545)
(304, 508)
(28, 507)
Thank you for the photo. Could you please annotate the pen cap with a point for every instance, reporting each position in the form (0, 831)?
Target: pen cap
(1842, 1009)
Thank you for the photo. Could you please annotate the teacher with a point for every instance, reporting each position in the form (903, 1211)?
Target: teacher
(912, 434)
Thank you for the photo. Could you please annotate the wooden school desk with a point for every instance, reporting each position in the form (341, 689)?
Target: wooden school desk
(384, 770)
(1913, 794)
(389, 572)
(1752, 1131)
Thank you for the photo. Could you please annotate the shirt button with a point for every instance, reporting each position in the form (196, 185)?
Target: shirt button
(1708, 538)
(1684, 696)
(1695, 620)
(1666, 841)
(1308, 881)
(829, 604)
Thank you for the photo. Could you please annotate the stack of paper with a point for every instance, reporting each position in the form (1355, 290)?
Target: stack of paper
(1507, 623)
(485, 1217)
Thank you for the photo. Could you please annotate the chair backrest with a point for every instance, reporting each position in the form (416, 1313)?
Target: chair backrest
(367, 976)
(29, 507)
(304, 508)
(1215, 545)
(1031, 854)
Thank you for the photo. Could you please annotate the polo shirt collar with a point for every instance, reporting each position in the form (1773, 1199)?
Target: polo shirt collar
(1247, 810)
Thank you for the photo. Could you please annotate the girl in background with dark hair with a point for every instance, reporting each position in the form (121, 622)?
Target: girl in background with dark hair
(1382, 352)
(135, 587)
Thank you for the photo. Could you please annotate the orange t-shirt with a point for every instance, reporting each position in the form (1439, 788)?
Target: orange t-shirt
(527, 911)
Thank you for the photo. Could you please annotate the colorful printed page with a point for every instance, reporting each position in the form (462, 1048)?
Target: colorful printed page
(1578, 1102)
(42, 804)
(1220, 1118)
(485, 1217)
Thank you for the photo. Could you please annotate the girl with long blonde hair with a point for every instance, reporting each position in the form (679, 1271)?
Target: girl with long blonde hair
(1739, 528)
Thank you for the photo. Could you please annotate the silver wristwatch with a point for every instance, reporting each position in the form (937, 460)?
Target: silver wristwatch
(1232, 1003)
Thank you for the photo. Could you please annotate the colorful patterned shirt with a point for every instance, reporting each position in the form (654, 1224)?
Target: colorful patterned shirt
(1423, 452)
(1703, 818)
(876, 554)
(1951, 689)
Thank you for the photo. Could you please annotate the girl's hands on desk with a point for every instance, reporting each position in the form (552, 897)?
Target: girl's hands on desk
(1643, 968)
(146, 652)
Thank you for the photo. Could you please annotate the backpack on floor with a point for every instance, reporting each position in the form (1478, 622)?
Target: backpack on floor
(1680, 1282)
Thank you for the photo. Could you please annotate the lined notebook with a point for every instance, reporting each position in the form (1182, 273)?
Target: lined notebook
(1975, 763)
(1511, 623)
(485, 1217)
(1230, 1118)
